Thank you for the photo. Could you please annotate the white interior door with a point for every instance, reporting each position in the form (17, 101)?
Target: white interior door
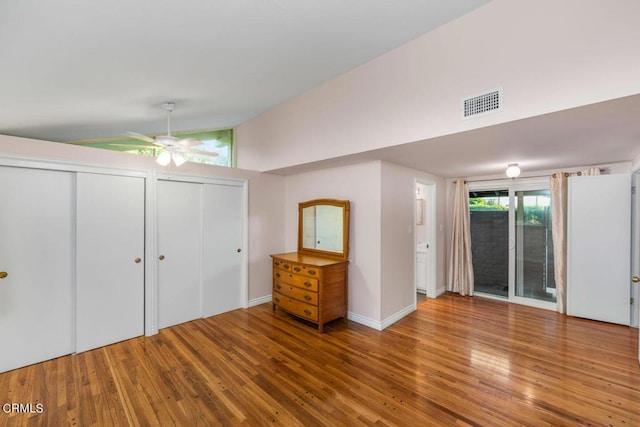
(599, 245)
(635, 252)
(635, 255)
(222, 248)
(37, 255)
(180, 252)
(110, 253)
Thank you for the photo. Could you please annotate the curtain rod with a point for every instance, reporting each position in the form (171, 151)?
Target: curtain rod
(579, 173)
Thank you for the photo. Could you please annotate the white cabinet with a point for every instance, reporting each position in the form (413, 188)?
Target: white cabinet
(110, 259)
(200, 229)
(37, 251)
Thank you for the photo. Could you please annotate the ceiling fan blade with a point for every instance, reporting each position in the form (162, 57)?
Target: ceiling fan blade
(140, 136)
(204, 153)
(133, 146)
(190, 142)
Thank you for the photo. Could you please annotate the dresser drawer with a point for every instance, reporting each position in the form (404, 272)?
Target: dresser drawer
(296, 268)
(296, 307)
(296, 292)
(298, 280)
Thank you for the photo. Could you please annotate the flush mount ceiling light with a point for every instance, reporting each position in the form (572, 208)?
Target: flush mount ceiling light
(513, 171)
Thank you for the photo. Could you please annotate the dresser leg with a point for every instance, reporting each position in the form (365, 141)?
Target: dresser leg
(320, 327)
(274, 306)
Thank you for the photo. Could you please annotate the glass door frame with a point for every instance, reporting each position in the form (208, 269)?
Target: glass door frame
(512, 186)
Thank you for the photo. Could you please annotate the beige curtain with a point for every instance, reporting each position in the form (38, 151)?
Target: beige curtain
(559, 188)
(460, 263)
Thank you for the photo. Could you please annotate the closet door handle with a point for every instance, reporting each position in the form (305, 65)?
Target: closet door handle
(3, 274)
(137, 260)
(161, 257)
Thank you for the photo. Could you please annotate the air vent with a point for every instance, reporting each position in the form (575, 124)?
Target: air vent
(490, 102)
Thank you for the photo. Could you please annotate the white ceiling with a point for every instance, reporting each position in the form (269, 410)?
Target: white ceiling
(77, 69)
(73, 70)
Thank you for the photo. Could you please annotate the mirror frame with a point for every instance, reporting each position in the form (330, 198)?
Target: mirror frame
(345, 205)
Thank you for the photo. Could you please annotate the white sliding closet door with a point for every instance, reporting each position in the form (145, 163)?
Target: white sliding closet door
(37, 254)
(110, 254)
(180, 252)
(599, 245)
(222, 248)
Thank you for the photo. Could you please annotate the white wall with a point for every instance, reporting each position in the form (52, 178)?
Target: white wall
(266, 195)
(547, 55)
(382, 195)
(361, 185)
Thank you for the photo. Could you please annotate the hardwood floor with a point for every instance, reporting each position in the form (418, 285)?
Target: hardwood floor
(455, 361)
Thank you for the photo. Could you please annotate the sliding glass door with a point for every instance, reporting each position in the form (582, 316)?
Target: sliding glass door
(534, 246)
(489, 212)
(511, 242)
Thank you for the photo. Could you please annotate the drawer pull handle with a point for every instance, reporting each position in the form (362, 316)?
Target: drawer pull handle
(276, 299)
(277, 274)
(296, 269)
(307, 297)
(276, 263)
(278, 286)
(312, 272)
(286, 266)
(307, 284)
(307, 312)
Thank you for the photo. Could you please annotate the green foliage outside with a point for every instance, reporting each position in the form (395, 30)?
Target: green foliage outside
(486, 204)
(533, 215)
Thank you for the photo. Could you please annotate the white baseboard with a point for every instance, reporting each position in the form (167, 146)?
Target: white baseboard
(262, 300)
(377, 325)
(365, 321)
(397, 316)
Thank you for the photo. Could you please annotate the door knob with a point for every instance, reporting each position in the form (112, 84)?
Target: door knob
(635, 279)
(138, 260)
(3, 274)
(238, 250)
(161, 257)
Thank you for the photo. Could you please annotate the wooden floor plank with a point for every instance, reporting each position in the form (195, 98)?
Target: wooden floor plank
(454, 361)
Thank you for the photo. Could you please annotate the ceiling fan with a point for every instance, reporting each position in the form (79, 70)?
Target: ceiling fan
(171, 148)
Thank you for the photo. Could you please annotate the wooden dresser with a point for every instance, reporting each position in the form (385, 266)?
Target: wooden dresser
(312, 287)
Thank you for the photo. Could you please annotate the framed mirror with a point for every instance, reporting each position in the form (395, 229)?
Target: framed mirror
(323, 228)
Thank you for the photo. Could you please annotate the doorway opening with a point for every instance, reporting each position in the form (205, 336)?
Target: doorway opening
(425, 239)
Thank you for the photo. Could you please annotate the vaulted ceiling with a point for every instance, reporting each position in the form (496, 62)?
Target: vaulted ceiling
(73, 70)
